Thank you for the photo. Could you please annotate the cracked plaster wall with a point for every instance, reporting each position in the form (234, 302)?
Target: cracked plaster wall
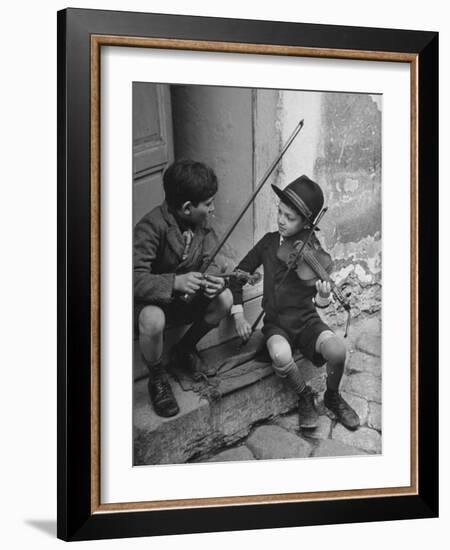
(342, 152)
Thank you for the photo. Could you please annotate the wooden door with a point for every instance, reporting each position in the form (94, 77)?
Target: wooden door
(152, 144)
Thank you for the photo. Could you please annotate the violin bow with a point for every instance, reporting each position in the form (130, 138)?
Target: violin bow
(254, 194)
(252, 197)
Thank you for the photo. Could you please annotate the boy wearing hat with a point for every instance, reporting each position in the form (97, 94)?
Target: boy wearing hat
(291, 320)
(171, 244)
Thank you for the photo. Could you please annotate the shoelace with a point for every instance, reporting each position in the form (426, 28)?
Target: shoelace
(338, 402)
(162, 387)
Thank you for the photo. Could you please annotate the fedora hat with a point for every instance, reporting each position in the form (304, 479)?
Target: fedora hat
(304, 195)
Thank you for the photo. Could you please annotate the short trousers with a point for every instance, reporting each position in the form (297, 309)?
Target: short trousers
(305, 341)
(177, 312)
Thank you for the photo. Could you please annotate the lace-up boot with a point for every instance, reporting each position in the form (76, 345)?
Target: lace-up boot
(161, 395)
(344, 413)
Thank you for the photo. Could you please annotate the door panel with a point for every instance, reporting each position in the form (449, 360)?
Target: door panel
(152, 144)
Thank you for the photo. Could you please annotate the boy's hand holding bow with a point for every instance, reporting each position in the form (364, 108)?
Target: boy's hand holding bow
(212, 286)
(190, 283)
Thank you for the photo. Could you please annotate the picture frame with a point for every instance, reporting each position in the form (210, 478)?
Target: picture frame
(81, 36)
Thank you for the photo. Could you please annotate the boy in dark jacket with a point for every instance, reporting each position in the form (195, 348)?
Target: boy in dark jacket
(291, 320)
(171, 245)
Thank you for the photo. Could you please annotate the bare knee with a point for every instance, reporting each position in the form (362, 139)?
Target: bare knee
(224, 301)
(152, 321)
(279, 350)
(333, 350)
(220, 306)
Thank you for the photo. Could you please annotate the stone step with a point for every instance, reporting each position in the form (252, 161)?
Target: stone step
(220, 413)
(216, 415)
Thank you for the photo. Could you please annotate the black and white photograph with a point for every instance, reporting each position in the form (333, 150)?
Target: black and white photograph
(250, 319)
(225, 268)
(257, 274)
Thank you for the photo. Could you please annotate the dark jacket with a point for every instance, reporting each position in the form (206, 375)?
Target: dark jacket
(158, 250)
(289, 306)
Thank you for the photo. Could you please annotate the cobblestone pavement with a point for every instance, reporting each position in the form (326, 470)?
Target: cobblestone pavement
(280, 437)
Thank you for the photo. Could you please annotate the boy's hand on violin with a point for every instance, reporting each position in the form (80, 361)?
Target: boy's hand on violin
(243, 327)
(324, 289)
(188, 283)
(212, 286)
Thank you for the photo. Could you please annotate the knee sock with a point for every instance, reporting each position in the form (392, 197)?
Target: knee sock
(334, 375)
(195, 333)
(334, 354)
(292, 373)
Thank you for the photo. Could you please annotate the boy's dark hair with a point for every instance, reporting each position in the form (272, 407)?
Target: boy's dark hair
(188, 180)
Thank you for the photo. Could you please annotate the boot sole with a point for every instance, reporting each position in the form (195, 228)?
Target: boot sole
(309, 426)
(351, 427)
(168, 414)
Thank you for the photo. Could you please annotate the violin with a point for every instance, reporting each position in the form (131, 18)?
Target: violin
(311, 263)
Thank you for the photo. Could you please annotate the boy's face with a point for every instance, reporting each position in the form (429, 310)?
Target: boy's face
(198, 215)
(289, 220)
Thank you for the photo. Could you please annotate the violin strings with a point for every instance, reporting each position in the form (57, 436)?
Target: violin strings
(318, 267)
(323, 274)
